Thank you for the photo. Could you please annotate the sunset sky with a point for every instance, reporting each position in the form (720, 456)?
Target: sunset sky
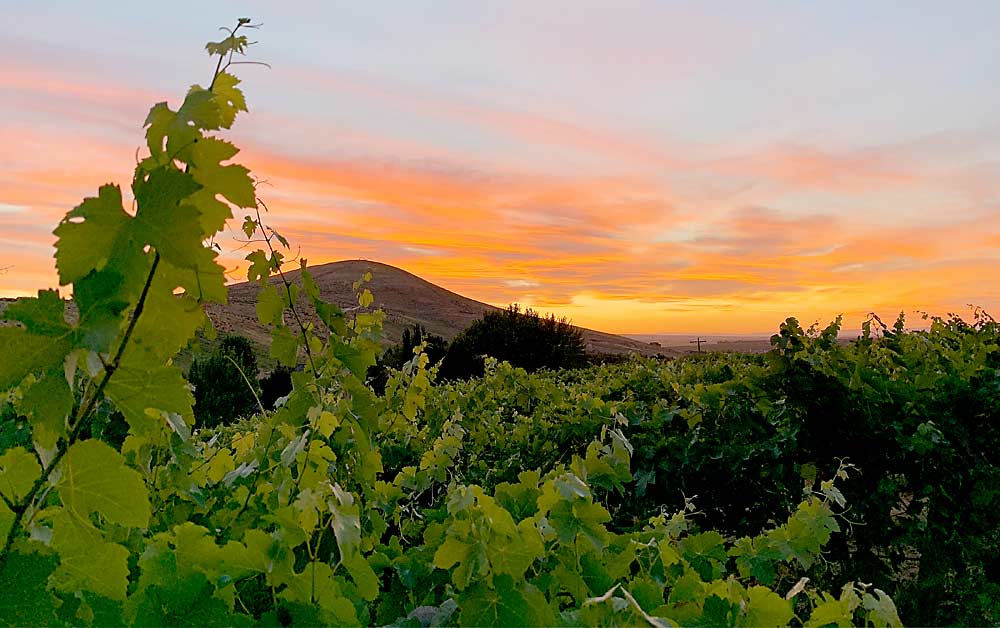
(643, 167)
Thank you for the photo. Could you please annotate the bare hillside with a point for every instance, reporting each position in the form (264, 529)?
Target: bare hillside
(405, 298)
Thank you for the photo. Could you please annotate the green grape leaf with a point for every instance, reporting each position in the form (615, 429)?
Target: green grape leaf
(580, 518)
(158, 120)
(332, 316)
(571, 581)
(766, 608)
(831, 612)
(279, 237)
(365, 298)
(647, 593)
(594, 573)
(228, 97)
(706, 552)
(196, 551)
(450, 552)
(514, 555)
(504, 604)
(212, 211)
(346, 520)
(27, 353)
(668, 553)
(363, 575)
(94, 478)
(355, 357)
(200, 110)
(499, 519)
(805, 533)
(229, 45)
(881, 611)
(334, 611)
(24, 596)
(565, 487)
(231, 181)
(249, 226)
(470, 556)
(719, 610)
(270, 305)
(46, 404)
(346, 524)
(42, 316)
(221, 463)
(260, 266)
(137, 387)
(284, 346)
(187, 601)
(182, 129)
(158, 566)
(317, 585)
(102, 298)
(756, 558)
(619, 558)
(168, 320)
(92, 610)
(205, 280)
(18, 471)
(688, 588)
(309, 284)
(87, 234)
(163, 220)
(86, 561)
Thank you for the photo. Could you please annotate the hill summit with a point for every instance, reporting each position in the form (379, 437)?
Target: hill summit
(405, 298)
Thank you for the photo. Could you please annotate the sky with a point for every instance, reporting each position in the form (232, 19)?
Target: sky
(639, 167)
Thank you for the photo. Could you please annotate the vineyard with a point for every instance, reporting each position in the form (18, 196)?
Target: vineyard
(819, 484)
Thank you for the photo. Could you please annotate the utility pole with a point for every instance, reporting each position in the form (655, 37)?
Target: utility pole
(698, 342)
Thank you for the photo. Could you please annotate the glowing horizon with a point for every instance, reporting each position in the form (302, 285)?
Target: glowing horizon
(640, 170)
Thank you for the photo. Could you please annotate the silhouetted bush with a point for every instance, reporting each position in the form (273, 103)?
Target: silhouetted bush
(221, 393)
(275, 385)
(525, 339)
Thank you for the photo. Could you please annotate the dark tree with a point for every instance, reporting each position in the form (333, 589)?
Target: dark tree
(525, 339)
(221, 393)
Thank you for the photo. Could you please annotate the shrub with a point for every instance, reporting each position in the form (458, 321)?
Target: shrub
(525, 339)
(221, 392)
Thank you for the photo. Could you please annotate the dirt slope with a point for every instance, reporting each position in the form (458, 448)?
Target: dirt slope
(405, 298)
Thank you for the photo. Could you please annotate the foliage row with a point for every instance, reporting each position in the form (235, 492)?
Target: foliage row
(341, 507)
(915, 411)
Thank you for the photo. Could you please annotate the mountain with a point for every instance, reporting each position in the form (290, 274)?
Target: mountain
(405, 298)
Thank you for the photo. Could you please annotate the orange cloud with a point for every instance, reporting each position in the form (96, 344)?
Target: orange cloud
(651, 243)
(809, 167)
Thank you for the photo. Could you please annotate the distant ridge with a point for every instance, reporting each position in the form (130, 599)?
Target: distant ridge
(405, 298)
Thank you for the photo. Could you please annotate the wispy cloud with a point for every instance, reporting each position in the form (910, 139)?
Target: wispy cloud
(531, 191)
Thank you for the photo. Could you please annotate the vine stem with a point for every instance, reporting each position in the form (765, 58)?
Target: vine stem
(305, 343)
(288, 289)
(246, 380)
(82, 417)
(219, 68)
(298, 321)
